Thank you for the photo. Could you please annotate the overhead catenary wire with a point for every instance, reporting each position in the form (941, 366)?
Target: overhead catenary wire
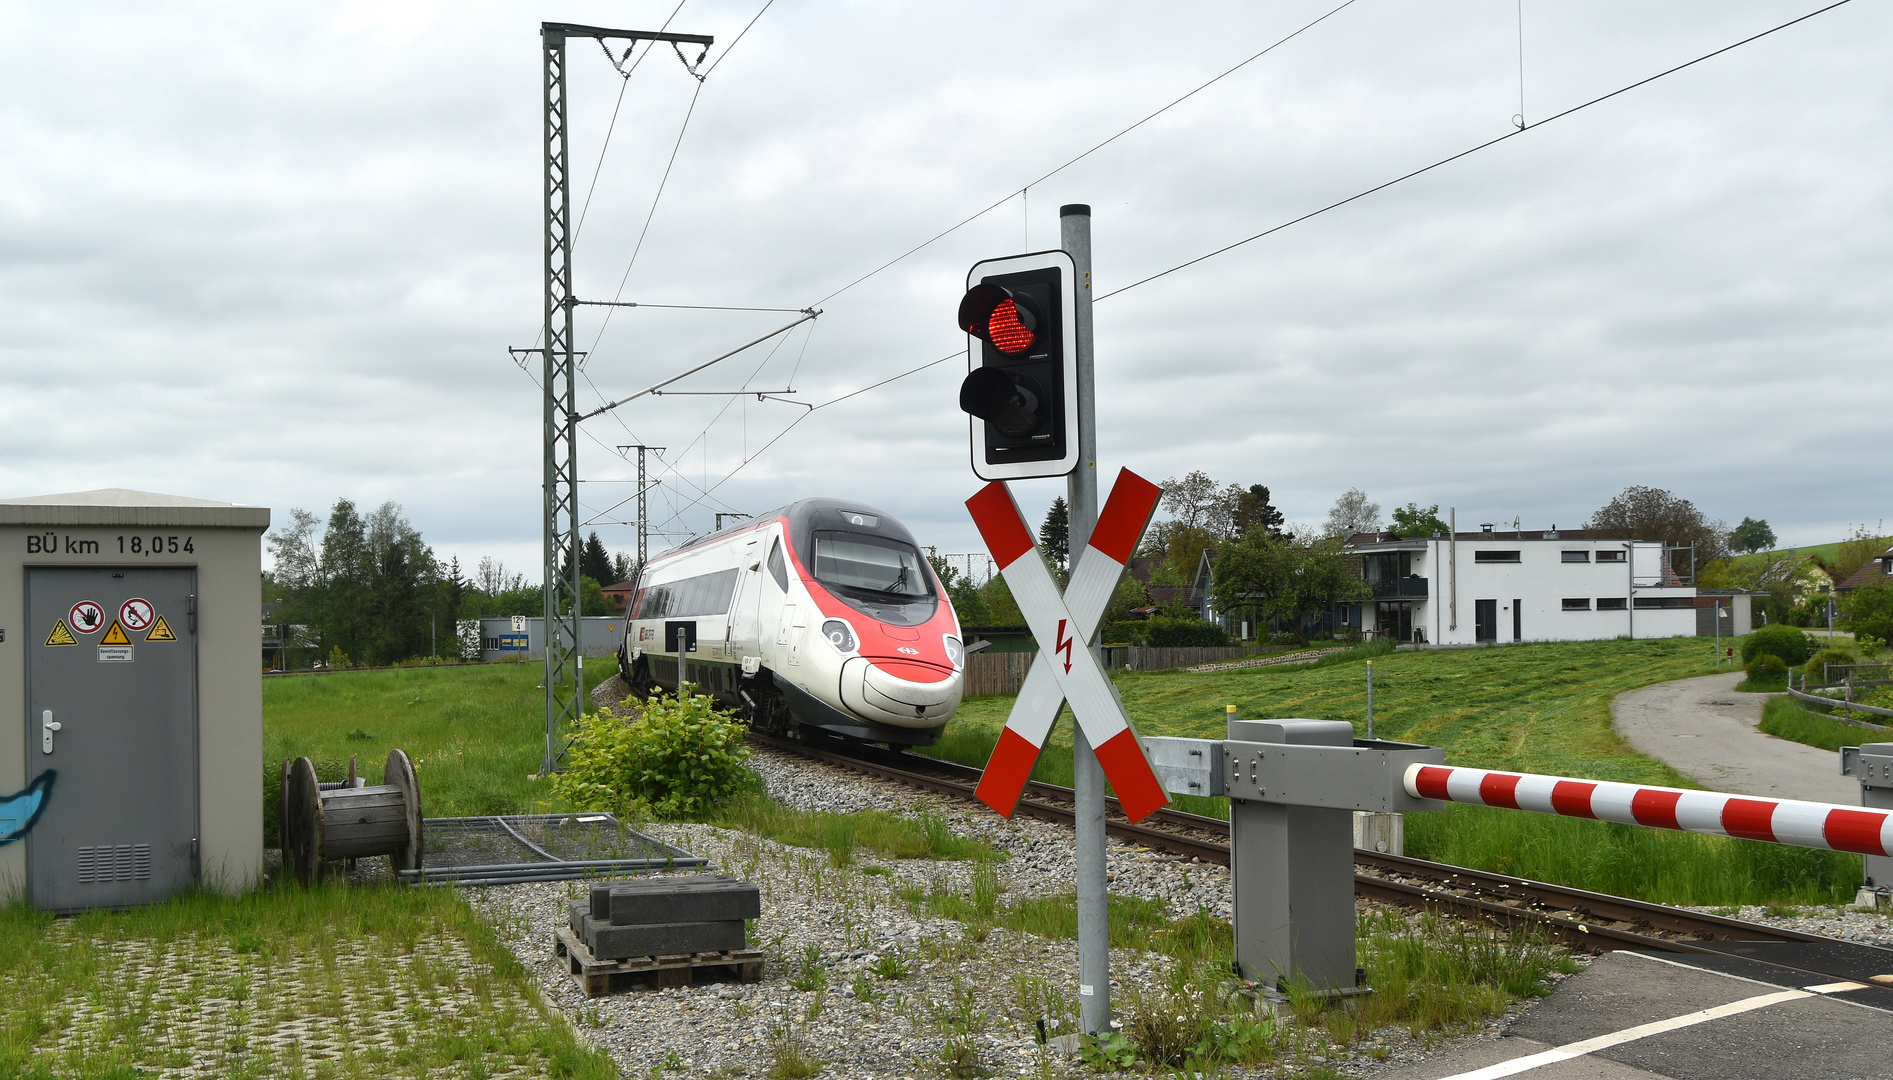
(708, 489)
(1094, 149)
(654, 387)
(1518, 130)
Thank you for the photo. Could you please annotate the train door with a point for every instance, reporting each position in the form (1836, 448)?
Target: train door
(745, 630)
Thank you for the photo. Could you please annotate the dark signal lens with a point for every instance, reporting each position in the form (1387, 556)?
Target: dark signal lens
(1008, 330)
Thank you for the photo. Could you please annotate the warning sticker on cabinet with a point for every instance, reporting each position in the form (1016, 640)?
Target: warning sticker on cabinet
(115, 635)
(61, 635)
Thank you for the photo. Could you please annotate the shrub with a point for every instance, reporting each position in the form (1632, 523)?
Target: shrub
(1813, 672)
(1784, 641)
(676, 759)
(1184, 633)
(1768, 669)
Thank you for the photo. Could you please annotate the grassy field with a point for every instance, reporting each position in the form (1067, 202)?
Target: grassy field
(1533, 707)
(476, 733)
(290, 982)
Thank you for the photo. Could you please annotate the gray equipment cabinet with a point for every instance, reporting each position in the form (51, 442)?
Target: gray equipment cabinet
(1293, 787)
(130, 697)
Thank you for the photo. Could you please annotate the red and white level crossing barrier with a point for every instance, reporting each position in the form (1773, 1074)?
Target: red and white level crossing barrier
(1068, 670)
(1779, 821)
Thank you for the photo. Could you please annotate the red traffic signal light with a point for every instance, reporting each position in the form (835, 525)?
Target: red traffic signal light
(1021, 387)
(1007, 321)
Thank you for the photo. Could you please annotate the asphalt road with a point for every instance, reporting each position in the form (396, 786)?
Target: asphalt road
(1705, 730)
(1631, 1016)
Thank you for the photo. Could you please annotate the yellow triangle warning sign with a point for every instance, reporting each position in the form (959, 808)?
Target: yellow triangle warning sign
(115, 635)
(61, 635)
(160, 631)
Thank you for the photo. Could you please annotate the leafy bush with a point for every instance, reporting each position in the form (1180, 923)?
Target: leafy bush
(1767, 669)
(675, 759)
(1791, 645)
(1813, 672)
(1184, 633)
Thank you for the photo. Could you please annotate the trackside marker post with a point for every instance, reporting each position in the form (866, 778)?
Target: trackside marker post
(1780, 821)
(1068, 671)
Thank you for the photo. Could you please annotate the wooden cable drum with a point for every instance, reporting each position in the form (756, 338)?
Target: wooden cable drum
(324, 823)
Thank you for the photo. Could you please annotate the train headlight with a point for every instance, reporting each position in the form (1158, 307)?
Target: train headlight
(839, 635)
(956, 653)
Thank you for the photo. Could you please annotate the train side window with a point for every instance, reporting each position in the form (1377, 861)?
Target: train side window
(778, 569)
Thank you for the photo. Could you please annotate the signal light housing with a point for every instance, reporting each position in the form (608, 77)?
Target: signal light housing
(1021, 388)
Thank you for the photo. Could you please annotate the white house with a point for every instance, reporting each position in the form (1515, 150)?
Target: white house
(1548, 585)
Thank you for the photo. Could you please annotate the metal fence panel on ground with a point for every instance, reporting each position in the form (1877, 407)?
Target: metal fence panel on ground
(539, 847)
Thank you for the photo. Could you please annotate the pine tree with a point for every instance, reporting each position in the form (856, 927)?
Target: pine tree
(1055, 534)
(594, 562)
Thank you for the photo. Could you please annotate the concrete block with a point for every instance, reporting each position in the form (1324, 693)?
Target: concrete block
(609, 942)
(700, 898)
(1384, 833)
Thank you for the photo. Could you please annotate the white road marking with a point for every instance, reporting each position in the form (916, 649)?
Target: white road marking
(1644, 1031)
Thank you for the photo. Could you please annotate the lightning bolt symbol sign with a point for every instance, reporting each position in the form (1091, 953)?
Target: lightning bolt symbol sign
(1064, 644)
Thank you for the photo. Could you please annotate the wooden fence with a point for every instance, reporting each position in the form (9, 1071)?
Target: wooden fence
(989, 673)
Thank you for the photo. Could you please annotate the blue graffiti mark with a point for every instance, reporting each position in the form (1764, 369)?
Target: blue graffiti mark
(21, 809)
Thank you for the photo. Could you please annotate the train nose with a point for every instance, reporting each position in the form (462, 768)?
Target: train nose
(903, 694)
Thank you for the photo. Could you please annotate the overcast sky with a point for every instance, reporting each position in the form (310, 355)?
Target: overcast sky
(275, 253)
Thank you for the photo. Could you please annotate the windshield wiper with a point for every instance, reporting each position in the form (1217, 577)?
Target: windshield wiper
(895, 587)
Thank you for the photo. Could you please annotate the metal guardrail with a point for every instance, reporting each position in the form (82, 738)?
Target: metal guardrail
(1817, 699)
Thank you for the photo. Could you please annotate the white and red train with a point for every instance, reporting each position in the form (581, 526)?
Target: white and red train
(823, 614)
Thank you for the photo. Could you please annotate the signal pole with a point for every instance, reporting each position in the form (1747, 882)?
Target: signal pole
(565, 659)
(1081, 494)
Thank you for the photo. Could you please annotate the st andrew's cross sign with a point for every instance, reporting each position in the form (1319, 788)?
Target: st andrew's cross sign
(1068, 670)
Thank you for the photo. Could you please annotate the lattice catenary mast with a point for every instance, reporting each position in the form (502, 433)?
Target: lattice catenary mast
(565, 671)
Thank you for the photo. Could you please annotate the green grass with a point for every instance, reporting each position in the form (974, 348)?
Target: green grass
(476, 733)
(1786, 718)
(207, 979)
(1541, 708)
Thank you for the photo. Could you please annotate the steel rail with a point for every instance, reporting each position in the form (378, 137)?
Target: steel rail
(1588, 920)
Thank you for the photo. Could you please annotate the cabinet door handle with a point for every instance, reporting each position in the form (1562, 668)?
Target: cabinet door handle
(47, 725)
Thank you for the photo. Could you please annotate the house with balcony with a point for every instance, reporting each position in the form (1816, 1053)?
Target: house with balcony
(1532, 585)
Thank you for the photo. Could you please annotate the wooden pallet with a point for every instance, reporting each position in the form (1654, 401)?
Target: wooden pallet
(596, 977)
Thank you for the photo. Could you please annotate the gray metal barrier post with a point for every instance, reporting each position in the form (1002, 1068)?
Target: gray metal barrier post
(1872, 765)
(1293, 788)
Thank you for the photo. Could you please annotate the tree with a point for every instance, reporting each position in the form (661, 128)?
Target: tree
(1254, 511)
(1055, 533)
(1752, 535)
(594, 562)
(1352, 513)
(1410, 521)
(998, 597)
(1854, 552)
(623, 565)
(967, 602)
(1284, 580)
(1869, 612)
(1647, 513)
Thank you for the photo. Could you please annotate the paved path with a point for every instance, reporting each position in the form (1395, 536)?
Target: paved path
(1705, 730)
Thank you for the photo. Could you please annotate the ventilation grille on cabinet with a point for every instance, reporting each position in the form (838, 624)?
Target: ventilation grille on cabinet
(119, 862)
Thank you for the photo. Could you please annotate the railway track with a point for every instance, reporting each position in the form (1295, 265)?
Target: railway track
(1592, 922)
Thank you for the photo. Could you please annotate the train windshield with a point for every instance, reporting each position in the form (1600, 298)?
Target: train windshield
(869, 564)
